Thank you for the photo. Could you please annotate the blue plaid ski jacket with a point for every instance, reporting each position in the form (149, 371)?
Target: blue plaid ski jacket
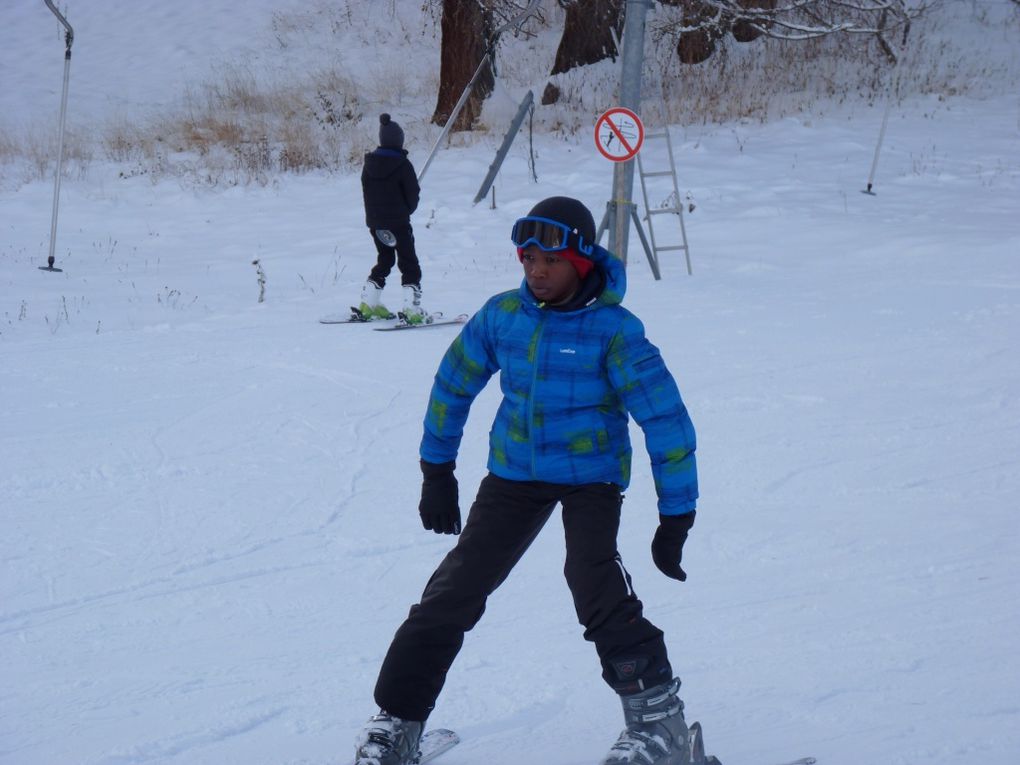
(569, 380)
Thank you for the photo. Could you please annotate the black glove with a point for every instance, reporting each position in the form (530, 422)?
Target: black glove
(438, 507)
(668, 544)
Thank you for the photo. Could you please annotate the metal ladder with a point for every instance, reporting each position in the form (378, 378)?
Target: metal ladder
(672, 205)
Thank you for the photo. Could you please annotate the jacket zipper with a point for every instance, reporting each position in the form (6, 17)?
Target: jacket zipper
(531, 397)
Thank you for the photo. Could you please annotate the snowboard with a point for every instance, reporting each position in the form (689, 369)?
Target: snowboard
(434, 743)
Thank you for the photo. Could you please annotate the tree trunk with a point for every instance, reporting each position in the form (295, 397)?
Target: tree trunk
(699, 45)
(587, 33)
(587, 38)
(466, 27)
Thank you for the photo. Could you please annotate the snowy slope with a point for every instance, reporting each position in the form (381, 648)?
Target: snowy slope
(209, 503)
(126, 59)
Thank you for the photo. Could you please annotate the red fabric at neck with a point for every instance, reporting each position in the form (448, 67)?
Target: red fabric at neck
(581, 264)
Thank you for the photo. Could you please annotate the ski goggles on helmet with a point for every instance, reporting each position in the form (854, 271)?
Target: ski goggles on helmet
(548, 235)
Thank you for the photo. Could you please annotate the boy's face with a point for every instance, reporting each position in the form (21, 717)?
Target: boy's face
(550, 278)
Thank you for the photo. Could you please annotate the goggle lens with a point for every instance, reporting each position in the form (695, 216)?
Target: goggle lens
(548, 235)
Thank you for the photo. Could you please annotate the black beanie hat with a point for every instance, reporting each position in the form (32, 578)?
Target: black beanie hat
(569, 212)
(390, 134)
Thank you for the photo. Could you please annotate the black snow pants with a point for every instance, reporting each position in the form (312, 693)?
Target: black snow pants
(504, 520)
(403, 254)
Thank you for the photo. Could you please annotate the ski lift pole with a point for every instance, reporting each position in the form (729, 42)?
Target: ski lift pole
(892, 94)
(454, 114)
(487, 59)
(68, 40)
(878, 146)
(631, 63)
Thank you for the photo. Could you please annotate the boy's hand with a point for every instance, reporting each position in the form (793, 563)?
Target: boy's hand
(438, 507)
(668, 544)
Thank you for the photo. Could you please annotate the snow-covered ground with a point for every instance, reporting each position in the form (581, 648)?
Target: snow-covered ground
(209, 504)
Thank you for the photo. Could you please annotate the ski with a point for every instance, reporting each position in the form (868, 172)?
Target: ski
(354, 317)
(698, 756)
(696, 741)
(434, 743)
(434, 320)
(340, 318)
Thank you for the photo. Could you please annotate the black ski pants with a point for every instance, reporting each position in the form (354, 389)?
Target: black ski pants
(504, 520)
(403, 254)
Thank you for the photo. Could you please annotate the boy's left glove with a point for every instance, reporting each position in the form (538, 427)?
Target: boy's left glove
(439, 508)
(668, 544)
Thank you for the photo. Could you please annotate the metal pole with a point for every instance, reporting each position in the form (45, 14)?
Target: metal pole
(453, 116)
(893, 88)
(515, 125)
(652, 261)
(68, 40)
(630, 97)
(892, 93)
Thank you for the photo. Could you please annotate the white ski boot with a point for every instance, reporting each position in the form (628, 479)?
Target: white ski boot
(412, 312)
(388, 740)
(656, 733)
(371, 306)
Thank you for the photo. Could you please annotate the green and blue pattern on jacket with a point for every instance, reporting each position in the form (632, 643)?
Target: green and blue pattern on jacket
(570, 381)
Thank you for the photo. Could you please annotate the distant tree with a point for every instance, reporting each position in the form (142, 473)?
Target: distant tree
(587, 37)
(744, 29)
(470, 30)
(696, 25)
(466, 27)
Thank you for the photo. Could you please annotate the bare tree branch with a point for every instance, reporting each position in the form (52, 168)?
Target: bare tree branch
(792, 19)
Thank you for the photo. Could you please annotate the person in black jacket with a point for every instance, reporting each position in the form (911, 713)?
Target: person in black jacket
(390, 188)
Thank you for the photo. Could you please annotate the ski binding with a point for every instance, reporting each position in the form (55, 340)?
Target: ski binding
(354, 317)
(432, 320)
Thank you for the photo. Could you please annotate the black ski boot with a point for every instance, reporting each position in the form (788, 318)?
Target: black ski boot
(656, 733)
(388, 740)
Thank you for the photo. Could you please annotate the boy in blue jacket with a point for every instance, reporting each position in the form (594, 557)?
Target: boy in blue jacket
(574, 364)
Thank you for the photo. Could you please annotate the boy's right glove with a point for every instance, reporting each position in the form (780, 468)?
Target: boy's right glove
(438, 507)
(668, 544)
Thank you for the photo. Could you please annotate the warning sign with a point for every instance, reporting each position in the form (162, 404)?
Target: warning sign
(619, 134)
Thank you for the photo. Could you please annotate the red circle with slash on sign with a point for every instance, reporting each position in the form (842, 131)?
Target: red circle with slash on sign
(619, 134)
